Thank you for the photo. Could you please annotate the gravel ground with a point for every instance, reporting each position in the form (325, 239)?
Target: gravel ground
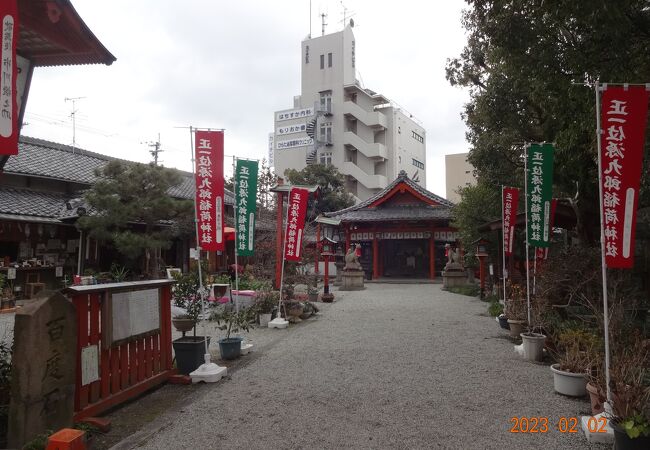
(394, 366)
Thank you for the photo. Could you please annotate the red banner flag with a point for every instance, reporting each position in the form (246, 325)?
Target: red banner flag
(623, 115)
(295, 223)
(9, 74)
(510, 204)
(210, 207)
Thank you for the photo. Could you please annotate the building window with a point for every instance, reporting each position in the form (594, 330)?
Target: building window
(326, 132)
(322, 61)
(418, 164)
(306, 54)
(417, 137)
(326, 158)
(329, 60)
(326, 101)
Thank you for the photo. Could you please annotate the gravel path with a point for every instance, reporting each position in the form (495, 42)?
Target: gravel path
(394, 366)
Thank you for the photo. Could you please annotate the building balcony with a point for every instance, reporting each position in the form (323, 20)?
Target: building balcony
(369, 181)
(369, 118)
(370, 150)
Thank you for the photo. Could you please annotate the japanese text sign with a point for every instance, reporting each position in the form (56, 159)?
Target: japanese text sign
(539, 179)
(295, 223)
(510, 204)
(245, 203)
(8, 76)
(623, 120)
(542, 253)
(210, 207)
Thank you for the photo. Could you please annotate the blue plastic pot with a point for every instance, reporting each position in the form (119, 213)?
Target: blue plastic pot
(230, 348)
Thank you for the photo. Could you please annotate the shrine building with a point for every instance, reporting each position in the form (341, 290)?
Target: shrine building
(402, 231)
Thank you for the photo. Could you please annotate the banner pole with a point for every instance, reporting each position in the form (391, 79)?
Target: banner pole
(602, 245)
(284, 249)
(234, 188)
(504, 271)
(526, 211)
(198, 247)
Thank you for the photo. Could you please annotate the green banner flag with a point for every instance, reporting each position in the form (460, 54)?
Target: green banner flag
(245, 204)
(539, 180)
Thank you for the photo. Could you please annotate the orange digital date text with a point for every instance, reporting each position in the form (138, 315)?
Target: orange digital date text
(563, 425)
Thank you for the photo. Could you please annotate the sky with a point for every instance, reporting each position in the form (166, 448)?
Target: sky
(231, 65)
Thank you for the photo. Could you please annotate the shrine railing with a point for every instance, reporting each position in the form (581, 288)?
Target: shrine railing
(124, 344)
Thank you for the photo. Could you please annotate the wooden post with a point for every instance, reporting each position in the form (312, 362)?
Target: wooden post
(278, 239)
(375, 257)
(317, 252)
(432, 256)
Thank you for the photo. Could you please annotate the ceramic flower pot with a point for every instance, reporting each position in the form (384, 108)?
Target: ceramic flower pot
(265, 319)
(183, 325)
(596, 398)
(569, 383)
(516, 327)
(533, 346)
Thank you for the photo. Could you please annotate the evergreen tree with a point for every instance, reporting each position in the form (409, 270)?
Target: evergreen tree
(130, 207)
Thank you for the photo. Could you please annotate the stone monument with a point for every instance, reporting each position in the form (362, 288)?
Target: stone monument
(339, 263)
(44, 367)
(453, 274)
(352, 272)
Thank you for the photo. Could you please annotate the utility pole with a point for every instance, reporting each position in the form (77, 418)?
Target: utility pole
(155, 150)
(73, 114)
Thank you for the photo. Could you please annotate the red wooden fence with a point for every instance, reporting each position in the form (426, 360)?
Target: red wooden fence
(130, 367)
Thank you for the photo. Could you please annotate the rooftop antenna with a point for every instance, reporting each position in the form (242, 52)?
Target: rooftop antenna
(323, 24)
(155, 150)
(346, 16)
(73, 114)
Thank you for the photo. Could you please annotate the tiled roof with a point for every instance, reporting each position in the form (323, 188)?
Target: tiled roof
(363, 212)
(37, 157)
(398, 213)
(31, 203)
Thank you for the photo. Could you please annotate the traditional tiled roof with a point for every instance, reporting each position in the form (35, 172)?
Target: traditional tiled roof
(365, 212)
(26, 202)
(40, 158)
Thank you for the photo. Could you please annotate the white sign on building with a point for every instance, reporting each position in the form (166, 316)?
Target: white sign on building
(291, 143)
(291, 129)
(271, 148)
(294, 114)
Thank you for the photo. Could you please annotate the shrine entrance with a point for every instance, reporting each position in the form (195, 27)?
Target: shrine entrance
(406, 258)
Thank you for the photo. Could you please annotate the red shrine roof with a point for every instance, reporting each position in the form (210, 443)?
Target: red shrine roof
(403, 199)
(53, 34)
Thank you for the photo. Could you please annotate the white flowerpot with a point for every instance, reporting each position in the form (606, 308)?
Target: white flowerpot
(533, 346)
(569, 383)
(264, 320)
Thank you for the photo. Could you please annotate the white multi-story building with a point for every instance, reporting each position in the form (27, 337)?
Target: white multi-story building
(336, 121)
(459, 174)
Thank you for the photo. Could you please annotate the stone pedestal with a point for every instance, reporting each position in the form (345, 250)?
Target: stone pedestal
(44, 366)
(451, 278)
(339, 273)
(352, 280)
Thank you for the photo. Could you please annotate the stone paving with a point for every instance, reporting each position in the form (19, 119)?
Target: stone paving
(394, 366)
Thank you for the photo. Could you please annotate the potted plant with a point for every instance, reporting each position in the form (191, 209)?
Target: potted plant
(630, 386)
(533, 342)
(515, 310)
(312, 293)
(265, 302)
(575, 356)
(232, 321)
(189, 351)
